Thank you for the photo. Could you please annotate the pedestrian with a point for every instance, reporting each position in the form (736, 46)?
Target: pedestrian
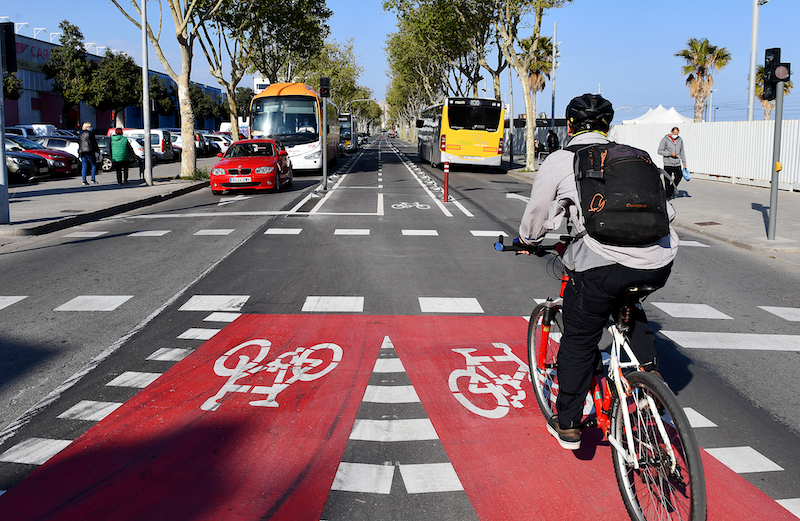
(121, 154)
(552, 141)
(599, 272)
(671, 147)
(87, 148)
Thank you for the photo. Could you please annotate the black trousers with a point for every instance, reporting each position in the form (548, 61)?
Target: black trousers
(676, 175)
(589, 299)
(122, 168)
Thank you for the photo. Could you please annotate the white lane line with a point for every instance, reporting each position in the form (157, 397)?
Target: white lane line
(89, 410)
(213, 214)
(7, 301)
(430, 477)
(198, 333)
(364, 478)
(219, 316)
(449, 305)
(322, 201)
(87, 235)
(215, 303)
(679, 310)
(736, 341)
(510, 195)
(792, 505)
(693, 244)
(743, 460)
(34, 451)
(388, 365)
(94, 303)
(421, 233)
(790, 314)
(283, 231)
(393, 430)
(150, 233)
(487, 233)
(381, 207)
(460, 207)
(436, 200)
(218, 231)
(390, 394)
(351, 231)
(339, 304)
(169, 354)
(697, 420)
(135, 379)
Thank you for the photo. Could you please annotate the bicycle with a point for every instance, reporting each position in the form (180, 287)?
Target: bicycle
(654, 451)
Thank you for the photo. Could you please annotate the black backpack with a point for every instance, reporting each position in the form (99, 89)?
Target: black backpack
(622, 195)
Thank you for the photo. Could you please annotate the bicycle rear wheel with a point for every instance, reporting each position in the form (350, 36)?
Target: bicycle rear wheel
(545, 381)
(661, 488)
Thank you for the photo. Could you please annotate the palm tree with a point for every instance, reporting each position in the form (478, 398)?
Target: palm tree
(702, 59)
(767, 105)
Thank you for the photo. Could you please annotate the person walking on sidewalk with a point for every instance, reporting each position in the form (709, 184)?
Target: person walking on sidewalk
(120, 155)
(552, 141)
(87, 148)
(671, 147)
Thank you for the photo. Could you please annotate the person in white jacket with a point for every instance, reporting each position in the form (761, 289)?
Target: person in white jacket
(599, 273)
(671, 147)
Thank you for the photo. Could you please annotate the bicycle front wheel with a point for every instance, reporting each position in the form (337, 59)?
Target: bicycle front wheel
(669, 486)
(545, 379)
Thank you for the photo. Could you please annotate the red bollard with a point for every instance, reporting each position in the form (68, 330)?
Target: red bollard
(446, 181)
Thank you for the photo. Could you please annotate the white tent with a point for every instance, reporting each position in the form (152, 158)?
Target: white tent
(659, 115)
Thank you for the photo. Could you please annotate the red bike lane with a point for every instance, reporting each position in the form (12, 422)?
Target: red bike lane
(253, 424)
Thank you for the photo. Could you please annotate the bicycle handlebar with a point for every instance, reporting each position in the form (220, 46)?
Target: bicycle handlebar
(539, 250)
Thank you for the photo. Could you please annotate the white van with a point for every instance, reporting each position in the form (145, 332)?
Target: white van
(160, 141)
(32, 130)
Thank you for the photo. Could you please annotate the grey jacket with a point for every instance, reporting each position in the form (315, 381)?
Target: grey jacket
(667, 147)
(554, 195)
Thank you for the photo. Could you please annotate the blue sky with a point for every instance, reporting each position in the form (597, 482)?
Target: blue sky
(624, 48)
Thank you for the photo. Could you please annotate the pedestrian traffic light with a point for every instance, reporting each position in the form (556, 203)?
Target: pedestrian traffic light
(325, 87)
(774, 72)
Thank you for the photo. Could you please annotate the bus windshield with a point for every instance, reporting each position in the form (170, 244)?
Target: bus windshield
(292, 119)
(469, 117)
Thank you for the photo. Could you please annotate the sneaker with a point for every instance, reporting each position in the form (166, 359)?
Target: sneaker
(94, 182)
(569, 439)
(85, 183)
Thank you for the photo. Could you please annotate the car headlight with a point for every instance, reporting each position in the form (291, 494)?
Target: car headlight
(217, 171)
(315, 155)
(264, 169)
(20, 161)
(59, 164)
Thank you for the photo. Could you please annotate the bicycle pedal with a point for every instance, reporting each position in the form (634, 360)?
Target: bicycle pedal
(591, 423)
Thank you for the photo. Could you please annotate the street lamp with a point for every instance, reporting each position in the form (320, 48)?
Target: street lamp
(751, 94)
(19, 25)
(53, 36)
(37, 30)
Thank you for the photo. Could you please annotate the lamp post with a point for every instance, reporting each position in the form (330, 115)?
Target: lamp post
(751, 89)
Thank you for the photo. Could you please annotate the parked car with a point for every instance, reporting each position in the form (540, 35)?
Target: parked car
(60, 163)
(160, 140)
(202, 146)
(25, 168)
(255, 164)
(221, 140)
(63, 143)
(64, 132)
(29, 131)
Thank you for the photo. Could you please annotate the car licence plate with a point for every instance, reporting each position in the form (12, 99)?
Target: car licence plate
(472, 158)
(43, 170)
(239, 180)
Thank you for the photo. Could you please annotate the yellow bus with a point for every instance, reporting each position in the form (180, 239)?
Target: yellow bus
(292, 114)
(465, 131)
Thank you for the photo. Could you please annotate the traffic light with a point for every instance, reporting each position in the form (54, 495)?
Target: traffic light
(774, 72)
(325, 87)
(9, 47)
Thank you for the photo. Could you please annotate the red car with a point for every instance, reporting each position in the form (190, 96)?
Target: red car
(59, 162)
(252, 164)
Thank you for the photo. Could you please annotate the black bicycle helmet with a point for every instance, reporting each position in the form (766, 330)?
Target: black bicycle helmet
(589, 111)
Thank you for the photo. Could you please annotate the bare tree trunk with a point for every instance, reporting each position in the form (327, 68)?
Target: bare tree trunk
(189, 152)
(530, 127)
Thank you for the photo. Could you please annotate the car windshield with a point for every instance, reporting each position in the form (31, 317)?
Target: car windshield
(25, 143)
(250, 149)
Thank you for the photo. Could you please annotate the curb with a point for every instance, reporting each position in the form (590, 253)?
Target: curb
(76, 220)
(780, 247)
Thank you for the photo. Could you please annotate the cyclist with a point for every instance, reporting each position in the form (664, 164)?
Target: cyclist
(599, 273)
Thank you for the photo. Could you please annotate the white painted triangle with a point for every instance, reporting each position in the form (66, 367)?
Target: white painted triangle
(229, 200)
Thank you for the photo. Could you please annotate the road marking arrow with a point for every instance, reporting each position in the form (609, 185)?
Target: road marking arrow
(510, 195)
(229, 200)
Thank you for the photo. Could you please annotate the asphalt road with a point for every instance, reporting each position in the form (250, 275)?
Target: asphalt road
(380, 244)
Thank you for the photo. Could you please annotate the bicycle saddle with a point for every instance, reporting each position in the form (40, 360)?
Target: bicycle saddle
(640, 292)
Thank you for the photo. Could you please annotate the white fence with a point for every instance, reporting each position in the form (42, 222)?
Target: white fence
(734, 151)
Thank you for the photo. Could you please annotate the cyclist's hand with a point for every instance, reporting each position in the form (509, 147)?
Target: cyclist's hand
(522, 245)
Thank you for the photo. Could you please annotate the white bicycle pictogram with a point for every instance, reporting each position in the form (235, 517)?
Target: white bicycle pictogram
(405, 206)
(505, 388)
(303, 364)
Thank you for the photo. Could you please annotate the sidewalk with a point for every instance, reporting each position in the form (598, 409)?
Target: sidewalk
(736, 214)
(62, 203)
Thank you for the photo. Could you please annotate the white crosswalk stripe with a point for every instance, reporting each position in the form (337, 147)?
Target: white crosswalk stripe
(215, 303)
(34, 451)
(744, 460)
(7, 301)
(790, 314)
(90, 410)
(134, 379)
(94, 303)
(679, 310)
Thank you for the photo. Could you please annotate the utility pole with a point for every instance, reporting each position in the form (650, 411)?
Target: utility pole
(148, 160)
(555, 66)
(776, 165)
(751, 89)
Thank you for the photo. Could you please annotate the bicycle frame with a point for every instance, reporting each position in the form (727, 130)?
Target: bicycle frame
(602, 397)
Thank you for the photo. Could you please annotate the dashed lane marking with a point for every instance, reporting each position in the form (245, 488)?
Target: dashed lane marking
(219, 316)
(744, 460)
(390, 394)
(134, 379)
(7, 301)
(89, 410)
(351, 231)
(678, 310)
(449, 305)
(421, 233)
(219, 231)
(198, 333)
(734, 341)
(693, 244)
(283, 231)
(334, 304)
(34, 451)
(215, 303)
(697, 420)
(169, 354)
(790, 314)
(150, 233)
(87, 235)
(94, 303)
